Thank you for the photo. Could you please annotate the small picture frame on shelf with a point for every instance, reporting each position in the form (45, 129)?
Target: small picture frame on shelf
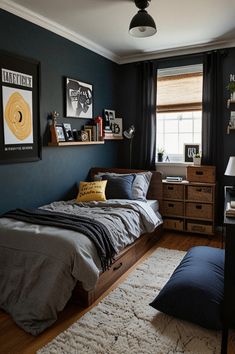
(109, 116)
(116, 126)
(189, 151)
(68, 132)
(59, 130)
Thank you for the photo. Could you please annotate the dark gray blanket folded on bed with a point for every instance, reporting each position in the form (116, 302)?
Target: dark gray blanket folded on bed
(93, 229)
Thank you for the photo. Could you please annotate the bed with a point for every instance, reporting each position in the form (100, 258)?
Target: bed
(43, 266)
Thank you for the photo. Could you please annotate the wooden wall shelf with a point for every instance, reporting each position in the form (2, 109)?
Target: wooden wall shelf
(113, 138)
(73, 143)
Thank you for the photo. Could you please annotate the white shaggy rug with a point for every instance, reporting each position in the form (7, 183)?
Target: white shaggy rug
(123, 322)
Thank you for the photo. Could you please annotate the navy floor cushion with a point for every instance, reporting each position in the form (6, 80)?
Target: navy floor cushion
(196, 288)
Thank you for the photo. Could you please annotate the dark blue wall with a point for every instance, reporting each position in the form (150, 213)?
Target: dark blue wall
(56, 175)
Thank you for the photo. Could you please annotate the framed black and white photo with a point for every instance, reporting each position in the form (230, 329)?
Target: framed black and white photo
(109, 116)
(68, 131)
(189, 151)
(19, 109)
(79, 99)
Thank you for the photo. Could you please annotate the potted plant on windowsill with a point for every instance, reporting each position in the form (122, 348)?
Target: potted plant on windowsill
(197, 158)
(231, 89)
(160, 153)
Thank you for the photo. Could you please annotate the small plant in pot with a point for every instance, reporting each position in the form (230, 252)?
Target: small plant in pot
(197, 158)
(160, 153)
(231, 89)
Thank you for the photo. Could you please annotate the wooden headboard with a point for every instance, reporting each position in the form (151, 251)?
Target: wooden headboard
(155, 188)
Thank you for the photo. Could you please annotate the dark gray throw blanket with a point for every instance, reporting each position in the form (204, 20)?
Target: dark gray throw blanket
(93, 229)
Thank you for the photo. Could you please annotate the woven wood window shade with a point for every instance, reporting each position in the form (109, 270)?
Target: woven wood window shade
(179, 93)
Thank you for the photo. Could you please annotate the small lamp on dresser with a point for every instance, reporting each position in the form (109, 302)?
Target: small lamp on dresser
(230, 171)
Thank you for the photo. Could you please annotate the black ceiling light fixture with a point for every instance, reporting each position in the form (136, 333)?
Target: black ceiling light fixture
(142, 24)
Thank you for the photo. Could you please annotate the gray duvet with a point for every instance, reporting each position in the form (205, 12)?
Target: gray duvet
(40, 265)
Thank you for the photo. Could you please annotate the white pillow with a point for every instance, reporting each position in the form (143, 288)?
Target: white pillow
(140, 184)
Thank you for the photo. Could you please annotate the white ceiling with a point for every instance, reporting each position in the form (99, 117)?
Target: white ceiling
(102, 25)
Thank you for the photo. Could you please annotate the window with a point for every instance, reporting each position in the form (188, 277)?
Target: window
(179, 109)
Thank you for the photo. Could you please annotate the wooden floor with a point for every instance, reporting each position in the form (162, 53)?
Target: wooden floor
(14, 340)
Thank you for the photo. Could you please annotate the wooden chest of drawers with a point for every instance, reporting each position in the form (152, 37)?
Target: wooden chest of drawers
(189, 206)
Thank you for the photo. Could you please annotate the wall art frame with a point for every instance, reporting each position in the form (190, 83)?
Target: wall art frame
(20, 139)
(79, 99)
(189, 151)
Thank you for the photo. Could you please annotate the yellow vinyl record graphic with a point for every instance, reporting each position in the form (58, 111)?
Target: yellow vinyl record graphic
(18, 116)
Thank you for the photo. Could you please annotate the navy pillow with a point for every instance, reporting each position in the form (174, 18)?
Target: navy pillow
(196, 288)
(118, 187)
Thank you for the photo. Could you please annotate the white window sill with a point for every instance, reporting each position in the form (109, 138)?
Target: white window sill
(182, 164)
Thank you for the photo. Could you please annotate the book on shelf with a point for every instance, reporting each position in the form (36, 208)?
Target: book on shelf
(108, 133)
(174, 179)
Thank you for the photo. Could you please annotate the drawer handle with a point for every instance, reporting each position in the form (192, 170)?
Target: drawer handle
(198, 228)
(199, 173)
(117, 267)
(170, 205)
(198, 189)
(198, 206)
(170, 188)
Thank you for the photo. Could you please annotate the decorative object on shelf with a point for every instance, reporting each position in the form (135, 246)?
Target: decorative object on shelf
(68, 131)
(230, 171)
(83, 135)
(142, 24)
(19, 109)
(75, 135)
(160, 153)
(129, 134)
(79, 99)
(54, 116)
(189, 151)
(116, 127)
(231, 123)
(99, 123)
(197, 158)
(231, 88)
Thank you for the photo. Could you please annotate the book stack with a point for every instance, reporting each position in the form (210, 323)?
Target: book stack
(108, 132)
(92, 131)
(230, 209)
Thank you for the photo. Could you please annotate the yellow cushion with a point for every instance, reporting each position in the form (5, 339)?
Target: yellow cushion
(91, 191)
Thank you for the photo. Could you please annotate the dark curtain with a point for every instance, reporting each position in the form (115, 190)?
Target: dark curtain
(145, 139)
(212, 108)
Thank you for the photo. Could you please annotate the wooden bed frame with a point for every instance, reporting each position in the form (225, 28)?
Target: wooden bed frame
(129, 255)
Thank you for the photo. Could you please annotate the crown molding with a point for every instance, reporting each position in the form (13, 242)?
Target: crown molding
(167, 53)
(52, 26)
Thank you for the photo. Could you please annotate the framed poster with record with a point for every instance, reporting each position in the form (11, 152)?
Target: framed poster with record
(19, 109)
